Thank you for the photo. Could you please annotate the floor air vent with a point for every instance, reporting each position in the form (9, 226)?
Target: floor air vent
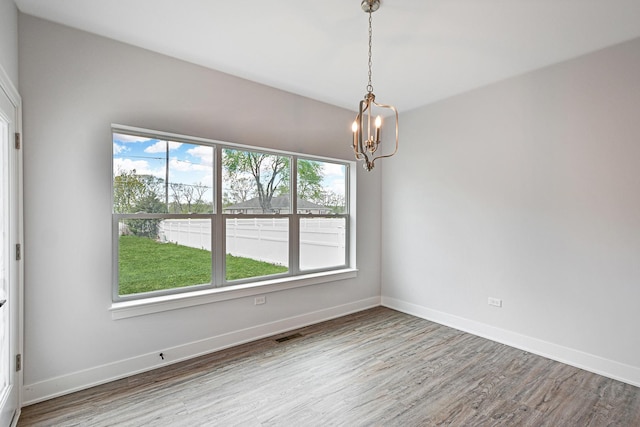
(288, 337)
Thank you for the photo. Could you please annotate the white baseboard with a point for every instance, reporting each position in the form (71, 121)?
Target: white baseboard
(48, 389)
(589, 362)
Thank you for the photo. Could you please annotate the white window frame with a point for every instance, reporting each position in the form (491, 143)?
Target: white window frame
(220, 289)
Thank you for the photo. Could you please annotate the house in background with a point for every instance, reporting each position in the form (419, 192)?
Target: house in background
(279, 204)
(523, 190)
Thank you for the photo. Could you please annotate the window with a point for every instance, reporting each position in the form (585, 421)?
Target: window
(322, 207)
(192, 214)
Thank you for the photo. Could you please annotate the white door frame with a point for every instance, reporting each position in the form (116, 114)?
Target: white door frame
(16, 271)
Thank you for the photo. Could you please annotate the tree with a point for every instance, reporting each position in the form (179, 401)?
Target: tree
(189, 198)
(239, 188)
(269, 172)
(250, 174)
(150, 203)
(310, 181)
(182, 193)
(200, 190)
(129, 189)
(135, 193)
(334, 201)
(200, 205)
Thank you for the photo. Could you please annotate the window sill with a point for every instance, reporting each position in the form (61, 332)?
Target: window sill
(126, 309)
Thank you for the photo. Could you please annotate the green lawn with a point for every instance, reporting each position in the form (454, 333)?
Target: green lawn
(146, 265)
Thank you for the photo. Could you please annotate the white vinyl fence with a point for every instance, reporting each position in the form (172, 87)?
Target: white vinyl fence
(322, 240)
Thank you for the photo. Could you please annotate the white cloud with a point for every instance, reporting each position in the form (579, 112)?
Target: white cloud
(207, 180)
(337, 186)
(333, 178)
(127, 165)
(120, 137)
(332, 169)
(117, 148)
(161, 147)
(177, 165)
(204, 153)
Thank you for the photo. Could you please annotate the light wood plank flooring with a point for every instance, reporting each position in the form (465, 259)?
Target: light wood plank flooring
(378, 367)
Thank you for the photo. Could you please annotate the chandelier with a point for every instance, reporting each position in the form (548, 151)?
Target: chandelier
(366, 129)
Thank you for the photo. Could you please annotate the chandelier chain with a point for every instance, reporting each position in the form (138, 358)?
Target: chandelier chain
(369, 85)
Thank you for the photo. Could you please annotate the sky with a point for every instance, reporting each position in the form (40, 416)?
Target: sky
(188, 163)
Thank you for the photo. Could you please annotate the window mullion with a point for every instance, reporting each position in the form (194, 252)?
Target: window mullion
(218, 234)
(294, 221)
(115, 241)
(219, 251)
(294, 244)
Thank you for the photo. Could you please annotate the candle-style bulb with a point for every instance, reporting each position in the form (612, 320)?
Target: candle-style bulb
(354, 128)
(378, 125)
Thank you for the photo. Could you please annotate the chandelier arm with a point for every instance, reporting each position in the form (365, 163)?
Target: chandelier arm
(361, 148)
(359, 153)
(392, 108)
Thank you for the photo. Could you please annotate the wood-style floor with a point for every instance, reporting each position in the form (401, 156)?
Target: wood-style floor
(374, 368)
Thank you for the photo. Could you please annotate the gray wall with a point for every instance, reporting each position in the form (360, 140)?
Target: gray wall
(527, 190)
(74, 85)
(9, 40)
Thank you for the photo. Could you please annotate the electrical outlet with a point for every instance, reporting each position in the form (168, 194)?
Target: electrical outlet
(260, 300)
(495, 302)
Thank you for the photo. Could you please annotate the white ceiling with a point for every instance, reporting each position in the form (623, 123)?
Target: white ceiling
(423, 50)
